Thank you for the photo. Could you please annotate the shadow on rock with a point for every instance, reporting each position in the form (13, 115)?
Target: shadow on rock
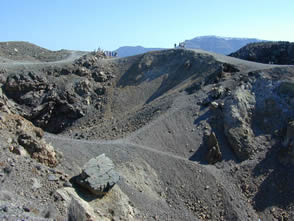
(199, 155)
(203, 117)
(206, 154)
(83, 193)
(214, 147)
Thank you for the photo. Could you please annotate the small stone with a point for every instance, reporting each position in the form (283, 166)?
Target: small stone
(7, 169)
(26, 209)
(36, 183)
(52, 177)
(62, 178)
(214, 105)
(206, 187)
(52, 170)
(19, 151)
(38, 167)
(5, 209)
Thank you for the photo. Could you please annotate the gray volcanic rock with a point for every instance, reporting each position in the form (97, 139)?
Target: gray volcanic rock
(54, 97)
(90, 59)
(98, 175)
(261, 106)
(42, 102)
(237, 119)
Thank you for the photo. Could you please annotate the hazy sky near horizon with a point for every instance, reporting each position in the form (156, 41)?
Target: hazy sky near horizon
(89, 24)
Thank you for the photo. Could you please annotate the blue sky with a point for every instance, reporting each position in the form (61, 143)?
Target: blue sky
(89, 24)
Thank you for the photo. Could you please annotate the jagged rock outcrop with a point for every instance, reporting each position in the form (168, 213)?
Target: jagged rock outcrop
(42, 102)
(261, 106)
(56, 96)
(274, 105)
(98, 175)
(237, 120)
(6, 105)
(90, 59)
(27, 140)
(267, 52)
(213, 154)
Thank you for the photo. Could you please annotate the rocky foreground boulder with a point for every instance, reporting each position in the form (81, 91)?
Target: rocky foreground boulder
(98, 175)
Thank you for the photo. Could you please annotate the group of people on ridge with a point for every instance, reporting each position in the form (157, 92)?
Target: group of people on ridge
(181, 45)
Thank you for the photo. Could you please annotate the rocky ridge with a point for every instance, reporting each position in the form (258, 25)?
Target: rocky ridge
(267, 52)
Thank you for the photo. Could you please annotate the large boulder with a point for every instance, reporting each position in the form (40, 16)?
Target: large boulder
(98, 175)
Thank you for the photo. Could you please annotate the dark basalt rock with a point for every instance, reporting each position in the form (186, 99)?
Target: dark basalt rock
(267, 52)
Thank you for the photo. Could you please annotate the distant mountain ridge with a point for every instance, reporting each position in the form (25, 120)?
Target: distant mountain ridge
(220, 45)
(134, 50)
(212, 43)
